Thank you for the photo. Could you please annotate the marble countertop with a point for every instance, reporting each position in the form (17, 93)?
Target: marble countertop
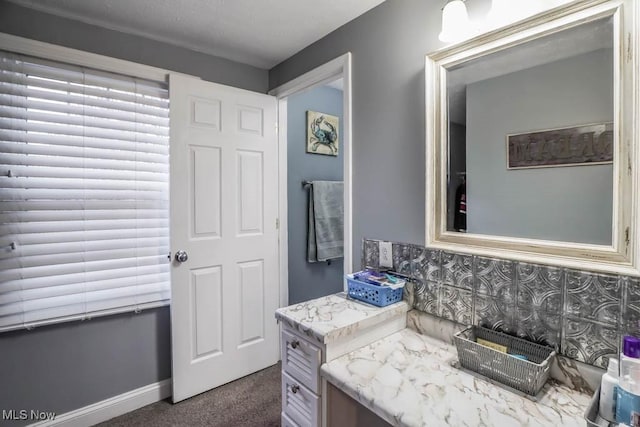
(407, 379)
(330, 318)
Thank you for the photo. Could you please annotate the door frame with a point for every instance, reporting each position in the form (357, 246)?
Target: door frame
(339, 67)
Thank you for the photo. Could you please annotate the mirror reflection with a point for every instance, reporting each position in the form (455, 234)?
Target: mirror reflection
(531, 139)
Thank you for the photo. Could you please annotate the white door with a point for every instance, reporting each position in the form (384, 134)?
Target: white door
(223, 215)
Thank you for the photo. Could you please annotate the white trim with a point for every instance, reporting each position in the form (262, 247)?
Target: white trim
(339, 67)
(283, 209)
(348, 170)
(54, 52)
(320, 75)
(112, 407)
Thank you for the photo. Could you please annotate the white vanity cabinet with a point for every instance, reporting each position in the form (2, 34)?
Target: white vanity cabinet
(301, 385)
(300, 358)
(316, 332)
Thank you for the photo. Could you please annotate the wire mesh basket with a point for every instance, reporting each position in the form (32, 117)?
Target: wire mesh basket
(527, 376)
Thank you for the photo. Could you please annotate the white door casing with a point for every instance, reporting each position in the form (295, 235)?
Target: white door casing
(224, 202)
(339, 67)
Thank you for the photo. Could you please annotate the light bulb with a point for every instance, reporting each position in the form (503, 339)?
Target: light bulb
(502, 12)
(455, 22)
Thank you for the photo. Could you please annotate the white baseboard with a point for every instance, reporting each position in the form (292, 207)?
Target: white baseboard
(112, 407)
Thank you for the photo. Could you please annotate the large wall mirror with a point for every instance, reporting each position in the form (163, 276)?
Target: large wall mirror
(532, 132)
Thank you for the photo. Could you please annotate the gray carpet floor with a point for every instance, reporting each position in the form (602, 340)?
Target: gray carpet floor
(252, 401)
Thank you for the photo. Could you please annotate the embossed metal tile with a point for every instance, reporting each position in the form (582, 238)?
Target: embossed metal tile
(426, 297)
(631, 307)
(538, 325)
(539, 285)
(371, 254)
(425, 264)
(494, 277)
(402, 255)
(494, 313)
(539, 303)
(593, 296)
(589, 342)
(456, 304)
(457, 270)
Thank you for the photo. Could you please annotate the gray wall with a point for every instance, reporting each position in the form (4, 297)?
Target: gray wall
(68, 366)
(309, 280)
(48, 28)
(388, 46)
(559, 203)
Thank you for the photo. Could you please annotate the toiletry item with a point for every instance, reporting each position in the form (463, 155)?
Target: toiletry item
(497, 347)
(628, 401)
(520, 356)
(368, 276)
(609, 392)
(376, 278)
(391, 278)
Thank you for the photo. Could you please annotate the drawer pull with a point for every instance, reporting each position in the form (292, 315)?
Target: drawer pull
(295, 388)
(295, 344)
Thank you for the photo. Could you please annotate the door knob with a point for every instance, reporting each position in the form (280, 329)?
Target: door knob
(182, 256)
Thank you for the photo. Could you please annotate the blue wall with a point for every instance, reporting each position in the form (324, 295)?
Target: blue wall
(69, 365)
(533, 203)
(388, 45)
(309, 280)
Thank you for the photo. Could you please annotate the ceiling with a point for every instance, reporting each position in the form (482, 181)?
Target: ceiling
(259, 33)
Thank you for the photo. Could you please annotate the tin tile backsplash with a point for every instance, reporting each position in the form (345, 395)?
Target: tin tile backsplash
(582, 314)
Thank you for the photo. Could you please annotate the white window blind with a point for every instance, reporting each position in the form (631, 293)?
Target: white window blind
(84, 192)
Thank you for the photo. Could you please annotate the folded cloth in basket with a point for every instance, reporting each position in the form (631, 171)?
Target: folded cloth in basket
(325, 224)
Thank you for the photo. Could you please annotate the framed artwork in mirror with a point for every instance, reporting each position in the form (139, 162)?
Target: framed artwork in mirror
(570, 146)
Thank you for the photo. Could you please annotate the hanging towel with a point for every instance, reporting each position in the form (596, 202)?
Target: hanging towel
(325, 224)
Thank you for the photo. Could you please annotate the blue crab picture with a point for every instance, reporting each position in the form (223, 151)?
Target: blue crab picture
(322, 133)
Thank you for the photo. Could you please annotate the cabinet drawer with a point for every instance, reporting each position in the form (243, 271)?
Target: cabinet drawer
(300, 404)
(301, 360)
(287, 422)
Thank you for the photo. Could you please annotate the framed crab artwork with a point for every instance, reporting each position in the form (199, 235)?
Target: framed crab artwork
(322, 133)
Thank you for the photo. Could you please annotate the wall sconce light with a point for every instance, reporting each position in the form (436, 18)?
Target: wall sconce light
(456, 25)
(504, 12)
(455, 21)
(500, 13)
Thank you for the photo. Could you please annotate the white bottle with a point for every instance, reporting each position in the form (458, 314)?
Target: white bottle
(608, 392)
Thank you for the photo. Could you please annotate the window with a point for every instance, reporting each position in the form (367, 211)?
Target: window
(84, 192)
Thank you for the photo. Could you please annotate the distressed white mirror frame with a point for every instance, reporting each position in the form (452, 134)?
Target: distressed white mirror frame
(622, 256)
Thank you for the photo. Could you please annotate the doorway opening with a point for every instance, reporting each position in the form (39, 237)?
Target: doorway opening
(327, 87)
